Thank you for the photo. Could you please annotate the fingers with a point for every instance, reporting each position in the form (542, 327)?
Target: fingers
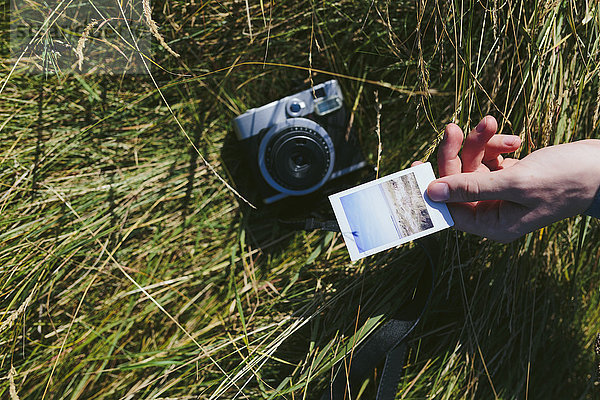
(500, 163)
(475, 186)
(507, 162)
(415, 163)
(475, 143)
(481, 145)
(448, 161)
(494, 164)
(500, 144)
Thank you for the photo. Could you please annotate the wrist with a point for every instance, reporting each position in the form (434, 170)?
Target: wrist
(593, 208)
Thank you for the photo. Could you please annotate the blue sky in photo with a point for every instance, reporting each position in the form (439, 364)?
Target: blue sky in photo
(369, 217)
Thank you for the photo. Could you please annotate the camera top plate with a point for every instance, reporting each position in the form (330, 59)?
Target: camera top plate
(321, 99)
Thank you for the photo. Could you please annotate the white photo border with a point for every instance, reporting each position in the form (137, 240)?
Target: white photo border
(438, 212)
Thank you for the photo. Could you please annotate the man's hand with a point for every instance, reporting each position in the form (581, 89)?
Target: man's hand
(504, 198)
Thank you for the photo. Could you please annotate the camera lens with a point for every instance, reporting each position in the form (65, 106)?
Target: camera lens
(298, 158)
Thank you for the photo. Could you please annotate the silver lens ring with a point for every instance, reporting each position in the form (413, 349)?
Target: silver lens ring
(301, 125)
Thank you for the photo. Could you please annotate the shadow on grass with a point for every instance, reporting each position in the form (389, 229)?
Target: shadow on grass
(271, 227)
(506, 315)
(498, 326)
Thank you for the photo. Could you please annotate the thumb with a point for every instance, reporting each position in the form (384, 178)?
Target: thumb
(473, 186)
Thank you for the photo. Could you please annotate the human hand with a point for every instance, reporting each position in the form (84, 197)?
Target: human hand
(504, 198)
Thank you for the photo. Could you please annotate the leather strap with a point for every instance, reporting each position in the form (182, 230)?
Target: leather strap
(392, 372)
(311, 224)
(387, 342)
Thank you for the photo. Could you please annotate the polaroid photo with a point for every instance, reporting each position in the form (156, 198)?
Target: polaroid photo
(389, 211)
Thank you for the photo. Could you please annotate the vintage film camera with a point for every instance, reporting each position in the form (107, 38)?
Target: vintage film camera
(297, 144)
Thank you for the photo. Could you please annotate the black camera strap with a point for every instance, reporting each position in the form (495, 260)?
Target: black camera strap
(311, 224)
(388, 342)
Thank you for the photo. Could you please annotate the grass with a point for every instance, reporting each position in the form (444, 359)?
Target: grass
(129, 270)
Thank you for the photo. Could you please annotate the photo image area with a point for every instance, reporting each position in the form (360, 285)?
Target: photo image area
(386, 212)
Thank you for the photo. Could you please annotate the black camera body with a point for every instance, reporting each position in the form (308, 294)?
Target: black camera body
(296, 144)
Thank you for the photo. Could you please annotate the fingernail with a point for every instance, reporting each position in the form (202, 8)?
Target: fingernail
(511, 141)
(481, 126)
(438, 191)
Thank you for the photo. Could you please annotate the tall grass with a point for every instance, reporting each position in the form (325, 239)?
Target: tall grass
(129, 270)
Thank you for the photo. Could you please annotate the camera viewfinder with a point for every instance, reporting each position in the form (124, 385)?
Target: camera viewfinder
(320, 92)
(326, 106)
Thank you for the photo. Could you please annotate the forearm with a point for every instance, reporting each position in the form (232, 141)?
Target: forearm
(594, 209)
